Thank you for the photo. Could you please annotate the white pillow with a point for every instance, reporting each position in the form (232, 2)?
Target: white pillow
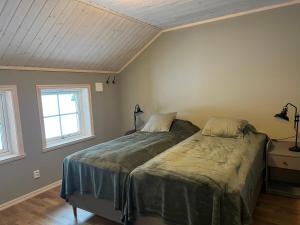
(224, 127)
(159, 122)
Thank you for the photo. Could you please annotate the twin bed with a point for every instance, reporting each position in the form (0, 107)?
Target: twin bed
(181, 177)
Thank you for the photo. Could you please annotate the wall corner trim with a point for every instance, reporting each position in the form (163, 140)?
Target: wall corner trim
(25, 197)
(124, 16)
(140, 52)
(243, 13)
(23, 68)
(260, 9)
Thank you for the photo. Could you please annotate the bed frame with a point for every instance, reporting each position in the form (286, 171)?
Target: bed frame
(105, 208)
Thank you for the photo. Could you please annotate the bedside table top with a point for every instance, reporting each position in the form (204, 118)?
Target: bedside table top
(282, 148)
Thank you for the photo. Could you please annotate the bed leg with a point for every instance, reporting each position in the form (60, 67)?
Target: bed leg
(75, 212)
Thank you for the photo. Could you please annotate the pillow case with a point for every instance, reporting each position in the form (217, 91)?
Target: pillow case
(184, 126)
(159, 122)
(224, 127)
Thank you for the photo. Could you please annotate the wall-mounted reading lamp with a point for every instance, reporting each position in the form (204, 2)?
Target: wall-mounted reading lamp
(284, 116)
(137, 111)
(108, 80)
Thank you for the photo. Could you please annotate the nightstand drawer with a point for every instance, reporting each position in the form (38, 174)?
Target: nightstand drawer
(284, 162)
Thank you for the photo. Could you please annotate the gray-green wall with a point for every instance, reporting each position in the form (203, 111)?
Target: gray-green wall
(16, 177)
(245, 67)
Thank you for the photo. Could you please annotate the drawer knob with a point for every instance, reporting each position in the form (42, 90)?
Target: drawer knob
(285, 163)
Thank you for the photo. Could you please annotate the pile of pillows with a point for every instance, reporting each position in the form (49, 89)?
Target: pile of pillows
(215, 126)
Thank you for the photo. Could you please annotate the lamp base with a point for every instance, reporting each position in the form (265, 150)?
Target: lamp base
(295, 149)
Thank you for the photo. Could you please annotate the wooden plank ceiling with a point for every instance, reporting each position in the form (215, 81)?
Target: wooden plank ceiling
(96, 35)
(68, 34)
(170, 13)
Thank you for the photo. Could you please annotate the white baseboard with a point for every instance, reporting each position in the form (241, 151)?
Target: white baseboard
(22, 198)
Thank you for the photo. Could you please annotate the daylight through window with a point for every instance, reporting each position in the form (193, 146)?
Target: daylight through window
(11, 143)
(66, 115)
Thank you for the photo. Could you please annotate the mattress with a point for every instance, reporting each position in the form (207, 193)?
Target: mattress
(102, 170)
(202, 180)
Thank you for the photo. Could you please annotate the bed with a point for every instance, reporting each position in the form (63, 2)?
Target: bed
(202, 180)
(98, 175)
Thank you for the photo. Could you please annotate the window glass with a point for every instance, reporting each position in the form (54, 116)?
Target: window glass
(2, 130)
(3, 138)
(52, 127)
(62, 119)
(68, 103)
(69, 124)
(11, 143)
(50, 104)
(65, 115)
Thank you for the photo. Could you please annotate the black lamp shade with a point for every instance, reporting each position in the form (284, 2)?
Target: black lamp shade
(283, 115)
(137, 110)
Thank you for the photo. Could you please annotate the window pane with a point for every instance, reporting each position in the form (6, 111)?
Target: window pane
(68, 103)
(3, 145)
(11, 145)
(66, 114)
(2, 130)
(69, 124)
(50, 105)
(1, 142)
(52, 127)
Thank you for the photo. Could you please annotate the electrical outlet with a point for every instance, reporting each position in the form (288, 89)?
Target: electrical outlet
(36, 174)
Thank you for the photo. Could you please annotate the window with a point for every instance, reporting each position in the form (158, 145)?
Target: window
(11, 143)
(65, 113)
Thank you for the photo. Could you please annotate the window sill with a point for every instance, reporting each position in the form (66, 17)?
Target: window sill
(61, 145)
(10, 158)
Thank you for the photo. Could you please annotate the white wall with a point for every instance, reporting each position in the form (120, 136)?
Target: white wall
(246, 67)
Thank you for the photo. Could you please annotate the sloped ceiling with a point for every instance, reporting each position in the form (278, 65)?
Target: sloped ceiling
(68, 34)
(170, 13)
(96, 35)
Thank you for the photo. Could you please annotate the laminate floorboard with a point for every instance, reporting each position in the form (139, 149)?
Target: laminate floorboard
(49, 209)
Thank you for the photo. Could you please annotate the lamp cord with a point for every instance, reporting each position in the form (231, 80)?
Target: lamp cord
(281, 139)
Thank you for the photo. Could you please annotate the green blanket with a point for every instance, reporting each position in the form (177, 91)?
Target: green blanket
(203, 180)
(103, 170)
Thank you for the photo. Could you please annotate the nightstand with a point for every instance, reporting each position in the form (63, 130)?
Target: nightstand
(283, 170)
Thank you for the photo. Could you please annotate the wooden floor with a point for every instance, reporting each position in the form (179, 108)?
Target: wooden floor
(49, 209)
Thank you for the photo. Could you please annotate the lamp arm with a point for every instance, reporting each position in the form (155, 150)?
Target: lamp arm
(296, 113)
(296, 109)
(296, 125)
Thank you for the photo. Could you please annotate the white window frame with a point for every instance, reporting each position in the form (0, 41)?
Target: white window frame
(71, 139)
(15, 148)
